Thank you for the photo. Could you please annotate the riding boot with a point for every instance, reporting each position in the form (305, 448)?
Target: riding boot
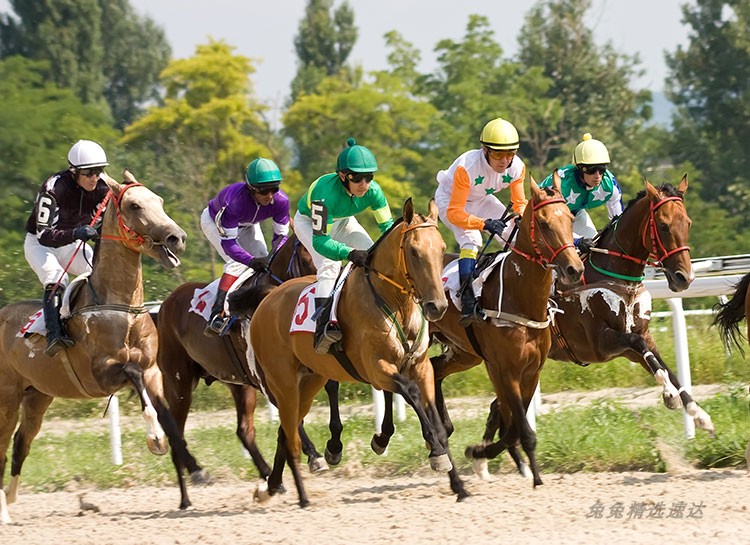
(217, 321)
(470, 311)
(326, 333)
(56, 337)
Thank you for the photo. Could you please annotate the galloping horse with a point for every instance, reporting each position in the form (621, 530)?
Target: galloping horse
(186, 356)
(382, 312)
(731, 313)
(515, 340)
(115, 338)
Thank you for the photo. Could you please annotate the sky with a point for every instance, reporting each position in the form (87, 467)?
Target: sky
(264, 30)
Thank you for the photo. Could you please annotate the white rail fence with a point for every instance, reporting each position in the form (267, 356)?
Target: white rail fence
(715, 277)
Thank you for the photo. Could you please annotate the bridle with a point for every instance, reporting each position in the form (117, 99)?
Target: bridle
(538, 257)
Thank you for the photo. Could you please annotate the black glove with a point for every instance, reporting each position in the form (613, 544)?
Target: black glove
(584, 245)
(85, 232)
(494, 227)
(258, 263)
(358, 257)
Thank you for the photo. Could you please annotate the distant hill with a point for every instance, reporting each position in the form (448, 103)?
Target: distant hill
(663, 110)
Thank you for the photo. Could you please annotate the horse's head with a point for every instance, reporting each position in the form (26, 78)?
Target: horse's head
(668, 230)
(410, 257)
(546, 234)
(141, 223)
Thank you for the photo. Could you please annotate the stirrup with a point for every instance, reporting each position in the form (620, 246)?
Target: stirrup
(217, 325)
(474, 316)
(56, 345)
(331, 335)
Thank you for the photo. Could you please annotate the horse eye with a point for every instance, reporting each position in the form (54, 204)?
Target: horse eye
(134, 206)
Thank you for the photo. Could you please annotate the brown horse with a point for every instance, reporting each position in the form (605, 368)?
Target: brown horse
(186, 356)
(608, 316)
(382, 311)
(115, 339)
(515, 340)
(731, 313)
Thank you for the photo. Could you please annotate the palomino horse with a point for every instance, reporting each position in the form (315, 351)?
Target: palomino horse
(514, 341)
(731, 313)
(115, 338)
(608, 316)
(186, 356)
(382, 312)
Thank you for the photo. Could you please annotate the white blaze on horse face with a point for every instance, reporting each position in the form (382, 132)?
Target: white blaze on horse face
(640, 307)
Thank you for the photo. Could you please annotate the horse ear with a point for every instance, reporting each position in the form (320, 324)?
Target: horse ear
(128, 177)
(408, 213)
(535, 191)
(433, 208)
(651, 190)
(556, 181)
(683, 183)
(113, 184)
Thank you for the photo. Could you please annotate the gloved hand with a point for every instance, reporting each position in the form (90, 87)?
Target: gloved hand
(85, 232)
(258, 263)
(358, 257)
(494, 226)
(584, 245)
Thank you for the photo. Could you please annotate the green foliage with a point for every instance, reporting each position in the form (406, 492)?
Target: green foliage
(731, 417)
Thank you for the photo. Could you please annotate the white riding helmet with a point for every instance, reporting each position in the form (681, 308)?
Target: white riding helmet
(87, 154)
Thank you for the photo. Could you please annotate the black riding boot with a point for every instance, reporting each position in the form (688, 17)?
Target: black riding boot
(326, 333)
(56, 337)
(218, 321)
(470, 311)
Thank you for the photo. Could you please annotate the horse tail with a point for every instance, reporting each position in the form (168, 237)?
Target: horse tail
(731, 313)
(245, 301)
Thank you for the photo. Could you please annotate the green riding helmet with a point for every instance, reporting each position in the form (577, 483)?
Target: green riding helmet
(262, 171)
(356, 158)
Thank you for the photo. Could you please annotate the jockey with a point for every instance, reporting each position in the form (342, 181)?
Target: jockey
(466, 201)
(326, 225)
(587, 183)
(63, 214)
(231, 223)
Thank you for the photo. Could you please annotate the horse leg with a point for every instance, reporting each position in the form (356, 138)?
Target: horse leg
(33, 407)
(315, 462)
(8, 421)
(442, 408)
(245, 400)
(379, 441)
(334, 446)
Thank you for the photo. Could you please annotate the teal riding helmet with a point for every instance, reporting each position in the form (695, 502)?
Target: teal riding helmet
(262, 171)
(356, 158)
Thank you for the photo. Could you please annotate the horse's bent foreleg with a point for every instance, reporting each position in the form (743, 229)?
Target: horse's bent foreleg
(34, 405)
(334, 446)
(155, 437)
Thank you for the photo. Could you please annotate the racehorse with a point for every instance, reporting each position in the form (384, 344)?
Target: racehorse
(731, 313)
(186, 356)
(515, 340)
(608, 315)
(382, 311)
(115, 340)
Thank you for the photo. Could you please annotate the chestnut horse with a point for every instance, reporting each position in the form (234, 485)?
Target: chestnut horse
(515, 339)
(382, 313)
(608, 316)
(731, 313)
(116, 340)
(186, 356)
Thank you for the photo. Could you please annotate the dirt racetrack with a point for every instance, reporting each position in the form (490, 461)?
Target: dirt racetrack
(613, 508)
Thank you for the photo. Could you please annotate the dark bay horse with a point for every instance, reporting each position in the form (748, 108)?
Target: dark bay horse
(731, 313)
(608, 315)
(186, 356)
(383, 313)
(515, 340)
(116, 340)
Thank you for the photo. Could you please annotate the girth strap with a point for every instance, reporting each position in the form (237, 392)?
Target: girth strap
(337, 351)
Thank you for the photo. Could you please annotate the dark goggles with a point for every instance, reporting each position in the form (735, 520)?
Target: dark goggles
(263, 190)
(359, 177)
(88, 172)
(593, 169)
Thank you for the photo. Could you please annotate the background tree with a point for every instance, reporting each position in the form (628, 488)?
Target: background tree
(709, 82)
(101, 49)
(325, 40)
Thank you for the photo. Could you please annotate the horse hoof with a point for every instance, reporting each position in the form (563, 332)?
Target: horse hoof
(317, 465)
(157, 445)
(200, 477)
(261, 493)
(671, 402)
(4, 516)
(441, 463)
(333, 458)
(481, 470)
(376, 447)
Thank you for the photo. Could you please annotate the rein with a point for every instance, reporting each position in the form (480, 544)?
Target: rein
(656, 242)
(538, 257)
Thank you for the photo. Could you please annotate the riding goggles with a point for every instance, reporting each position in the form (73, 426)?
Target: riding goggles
(593, 169)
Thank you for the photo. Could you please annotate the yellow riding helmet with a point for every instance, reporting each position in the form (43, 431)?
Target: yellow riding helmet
(590, 152)
(499, 134)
